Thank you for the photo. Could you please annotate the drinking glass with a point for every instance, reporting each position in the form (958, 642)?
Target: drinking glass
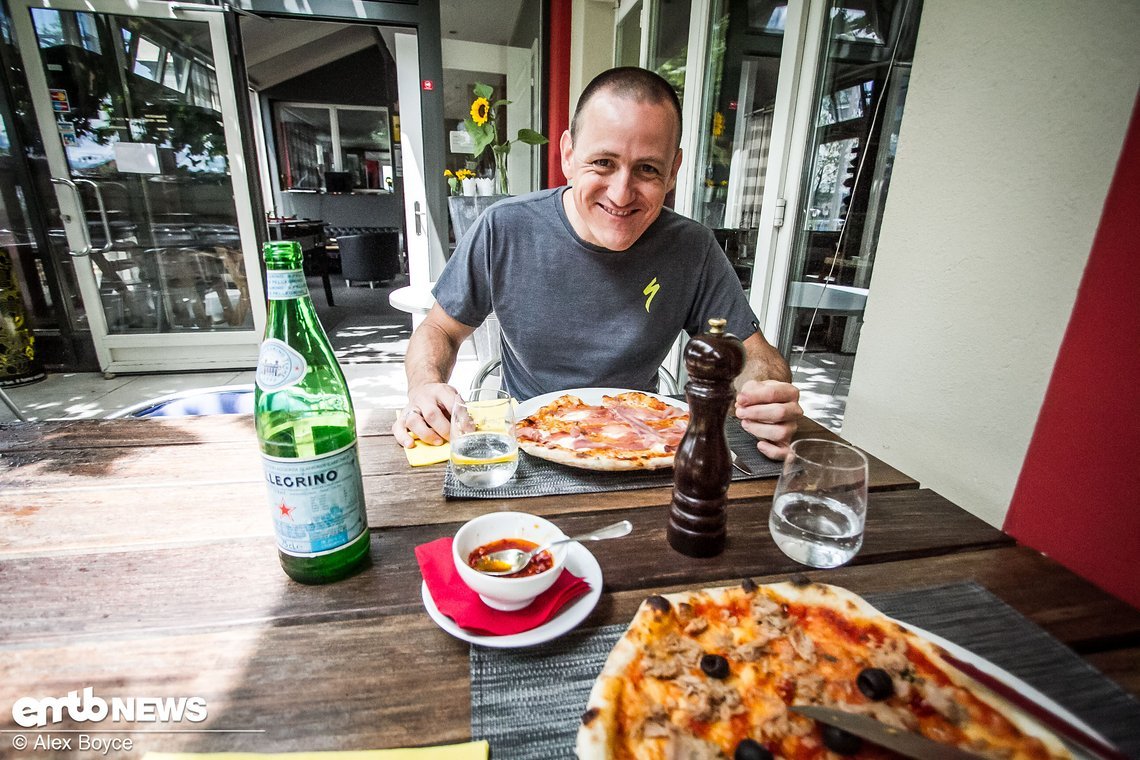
(820, 503)
(484, 451)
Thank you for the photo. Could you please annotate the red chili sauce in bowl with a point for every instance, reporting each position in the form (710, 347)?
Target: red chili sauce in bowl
(540, 563)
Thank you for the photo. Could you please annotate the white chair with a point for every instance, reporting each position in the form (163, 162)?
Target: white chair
(666, 383)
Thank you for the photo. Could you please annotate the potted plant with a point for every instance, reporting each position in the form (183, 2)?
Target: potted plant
(483, 126)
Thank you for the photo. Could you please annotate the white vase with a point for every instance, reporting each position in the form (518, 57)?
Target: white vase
(484, 186)
(469, 187)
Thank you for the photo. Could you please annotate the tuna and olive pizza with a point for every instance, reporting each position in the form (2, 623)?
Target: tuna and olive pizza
(626, 431)
(711, 674)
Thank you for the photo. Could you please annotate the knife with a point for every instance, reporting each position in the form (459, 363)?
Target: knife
(899, 740)
(740, 465)
(1068, 733)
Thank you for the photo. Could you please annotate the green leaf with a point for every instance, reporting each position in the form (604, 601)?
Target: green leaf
(498, 103)
(483, 136)
(530, 137)
(503, 149)
(483, 90)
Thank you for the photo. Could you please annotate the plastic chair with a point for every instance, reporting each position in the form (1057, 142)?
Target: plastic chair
(372, 257)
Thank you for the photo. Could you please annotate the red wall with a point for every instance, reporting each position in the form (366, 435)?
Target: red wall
(558, 101)
(1078, 496)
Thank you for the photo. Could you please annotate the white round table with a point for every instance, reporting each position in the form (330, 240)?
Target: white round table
(414, 299)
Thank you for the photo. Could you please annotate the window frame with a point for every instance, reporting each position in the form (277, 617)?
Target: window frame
(338, 153)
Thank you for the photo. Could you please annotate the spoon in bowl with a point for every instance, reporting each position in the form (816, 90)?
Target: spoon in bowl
(508, 561)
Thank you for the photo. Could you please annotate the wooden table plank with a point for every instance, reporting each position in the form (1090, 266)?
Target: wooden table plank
(348, 684)
(144, 493)
(189, 451)
(156, 431)
(101, 593)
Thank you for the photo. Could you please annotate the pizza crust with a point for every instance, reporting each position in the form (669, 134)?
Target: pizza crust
(598, 734)
(587, 461)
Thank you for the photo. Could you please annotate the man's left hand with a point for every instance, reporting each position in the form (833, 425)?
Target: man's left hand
(770, 410)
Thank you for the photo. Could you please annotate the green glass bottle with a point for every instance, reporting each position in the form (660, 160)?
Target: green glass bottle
(307, 430)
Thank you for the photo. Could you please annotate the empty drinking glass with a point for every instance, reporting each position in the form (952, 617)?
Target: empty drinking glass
(820, 503)
(484, 452)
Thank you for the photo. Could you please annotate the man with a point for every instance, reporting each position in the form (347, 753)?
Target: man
(592, 283)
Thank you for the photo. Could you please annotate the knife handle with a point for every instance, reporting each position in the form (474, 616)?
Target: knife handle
(1039, 713)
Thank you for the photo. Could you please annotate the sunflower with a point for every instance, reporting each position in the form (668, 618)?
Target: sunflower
(480, 110)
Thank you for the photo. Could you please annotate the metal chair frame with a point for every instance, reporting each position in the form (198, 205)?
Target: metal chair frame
(8, 402)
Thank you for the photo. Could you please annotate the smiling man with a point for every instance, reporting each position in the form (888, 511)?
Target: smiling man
(592, 283)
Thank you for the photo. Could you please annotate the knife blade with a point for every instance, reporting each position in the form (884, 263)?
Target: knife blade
(899, 740)
(740, 465)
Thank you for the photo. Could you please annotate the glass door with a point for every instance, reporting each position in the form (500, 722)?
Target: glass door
(424, 242)
(139, 120)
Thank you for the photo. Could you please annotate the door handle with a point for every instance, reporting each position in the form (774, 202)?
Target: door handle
(418, 215)
(82, 214)
(102, 214)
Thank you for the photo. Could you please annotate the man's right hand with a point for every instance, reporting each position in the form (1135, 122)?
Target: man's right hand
(427, 415)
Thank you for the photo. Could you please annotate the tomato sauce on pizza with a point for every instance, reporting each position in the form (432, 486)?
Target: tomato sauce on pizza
(626, 431)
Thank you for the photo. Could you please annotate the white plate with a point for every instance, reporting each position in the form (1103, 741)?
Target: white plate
(589, 395)
(579, 561)
(1009, 679)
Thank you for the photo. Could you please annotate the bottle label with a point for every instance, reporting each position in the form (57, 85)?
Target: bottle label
(284, 284)
(317, 503)
(279, 365)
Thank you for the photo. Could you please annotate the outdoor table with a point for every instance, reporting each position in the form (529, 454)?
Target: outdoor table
(137, 559)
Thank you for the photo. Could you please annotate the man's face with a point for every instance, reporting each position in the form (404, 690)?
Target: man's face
(622, 165)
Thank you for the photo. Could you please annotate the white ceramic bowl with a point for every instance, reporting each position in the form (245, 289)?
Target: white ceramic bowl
(507, 593)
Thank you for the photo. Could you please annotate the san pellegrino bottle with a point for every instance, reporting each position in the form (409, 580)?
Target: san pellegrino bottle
(307, 431)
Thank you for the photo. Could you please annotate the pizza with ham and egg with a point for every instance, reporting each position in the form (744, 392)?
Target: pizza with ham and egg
(626, 431)
(711, 674)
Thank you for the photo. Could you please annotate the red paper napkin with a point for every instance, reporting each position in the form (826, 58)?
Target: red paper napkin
(461, 604)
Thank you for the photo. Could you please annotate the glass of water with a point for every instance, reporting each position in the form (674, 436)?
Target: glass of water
(484, 451)
(820, 503)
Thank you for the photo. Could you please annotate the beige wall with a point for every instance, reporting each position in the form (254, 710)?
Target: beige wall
(1012, 129)
(591, 44)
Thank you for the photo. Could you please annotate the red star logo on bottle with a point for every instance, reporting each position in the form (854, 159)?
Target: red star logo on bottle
(286, 510)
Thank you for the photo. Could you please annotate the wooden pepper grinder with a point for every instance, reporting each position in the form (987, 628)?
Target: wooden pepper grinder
(702, 468)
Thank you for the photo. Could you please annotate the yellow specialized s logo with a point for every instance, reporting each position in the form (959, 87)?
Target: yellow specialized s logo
(650, 290)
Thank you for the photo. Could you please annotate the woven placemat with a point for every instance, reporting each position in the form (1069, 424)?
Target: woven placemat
(527, 703)
(538, 477)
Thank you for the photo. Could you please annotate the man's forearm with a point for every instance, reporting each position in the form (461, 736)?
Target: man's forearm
(762, 362)
(430, 357)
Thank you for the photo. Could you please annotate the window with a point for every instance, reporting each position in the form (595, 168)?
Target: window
(55, 29)
(314, 139)
(147, 56)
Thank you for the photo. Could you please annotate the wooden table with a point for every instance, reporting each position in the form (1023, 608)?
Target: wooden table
(136, 558)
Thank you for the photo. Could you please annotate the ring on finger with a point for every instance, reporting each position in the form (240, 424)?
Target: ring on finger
(413, 412)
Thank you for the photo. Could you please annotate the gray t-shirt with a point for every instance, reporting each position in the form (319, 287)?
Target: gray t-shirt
(576, 315)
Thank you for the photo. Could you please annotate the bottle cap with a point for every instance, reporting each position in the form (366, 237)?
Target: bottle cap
(716, 325)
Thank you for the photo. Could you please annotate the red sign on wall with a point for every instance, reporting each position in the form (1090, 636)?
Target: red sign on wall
(428, 85)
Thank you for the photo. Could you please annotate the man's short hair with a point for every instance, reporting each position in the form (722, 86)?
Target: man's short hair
(629, 82)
